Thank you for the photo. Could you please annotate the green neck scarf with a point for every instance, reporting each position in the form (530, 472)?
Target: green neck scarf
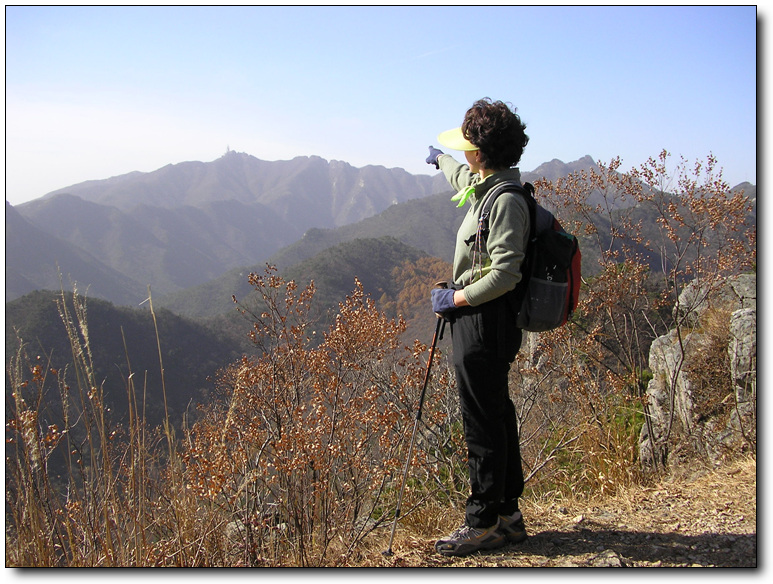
(463, 195)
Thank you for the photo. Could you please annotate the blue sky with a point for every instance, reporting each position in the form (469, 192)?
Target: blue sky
(95, 92)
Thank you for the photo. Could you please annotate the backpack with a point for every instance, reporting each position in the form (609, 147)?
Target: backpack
(549, 289)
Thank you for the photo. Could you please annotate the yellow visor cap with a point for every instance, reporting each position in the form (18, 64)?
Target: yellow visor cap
(455, 140)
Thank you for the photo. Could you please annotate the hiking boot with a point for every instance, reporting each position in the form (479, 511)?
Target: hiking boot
(512, 527)
(467, 540)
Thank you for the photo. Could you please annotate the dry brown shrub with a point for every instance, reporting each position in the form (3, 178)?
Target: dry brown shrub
(708, 366)
(304, 449)
(581, 429)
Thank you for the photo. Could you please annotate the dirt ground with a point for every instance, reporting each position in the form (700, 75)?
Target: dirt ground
(696, 517)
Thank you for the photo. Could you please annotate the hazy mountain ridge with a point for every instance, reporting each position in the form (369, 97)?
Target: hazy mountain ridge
(428, 224)
(555, 168)
(196, 226)
(187, 223)
(337, 187)
(35, 258)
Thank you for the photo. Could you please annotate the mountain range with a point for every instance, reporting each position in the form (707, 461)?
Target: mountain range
(190, 232)
(188, 224)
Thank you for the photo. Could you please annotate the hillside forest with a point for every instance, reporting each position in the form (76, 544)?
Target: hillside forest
(274, 434)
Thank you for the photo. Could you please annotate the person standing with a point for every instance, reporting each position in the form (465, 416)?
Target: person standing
(485, 340)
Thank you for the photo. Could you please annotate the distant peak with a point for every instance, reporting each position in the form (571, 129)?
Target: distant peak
(232, 153)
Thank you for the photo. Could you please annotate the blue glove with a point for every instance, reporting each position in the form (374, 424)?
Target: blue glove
(442, 300)
(433, 155)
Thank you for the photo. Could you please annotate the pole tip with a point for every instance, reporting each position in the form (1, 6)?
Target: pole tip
(387, 552)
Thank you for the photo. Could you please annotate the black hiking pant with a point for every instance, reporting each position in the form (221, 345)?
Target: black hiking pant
(485, 344)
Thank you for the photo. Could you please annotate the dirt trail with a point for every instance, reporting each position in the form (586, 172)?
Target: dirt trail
(695, 517)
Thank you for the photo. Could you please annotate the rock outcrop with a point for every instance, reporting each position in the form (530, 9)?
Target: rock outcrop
(702, 399)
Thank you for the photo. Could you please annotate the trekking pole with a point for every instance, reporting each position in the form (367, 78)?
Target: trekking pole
(441, 323)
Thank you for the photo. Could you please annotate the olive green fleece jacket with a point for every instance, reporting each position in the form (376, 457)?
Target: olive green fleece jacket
(499, 269)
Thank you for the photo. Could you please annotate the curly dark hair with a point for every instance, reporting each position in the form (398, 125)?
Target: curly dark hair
(497, 131)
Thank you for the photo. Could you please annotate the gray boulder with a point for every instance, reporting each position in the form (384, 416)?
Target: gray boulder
(686, 416)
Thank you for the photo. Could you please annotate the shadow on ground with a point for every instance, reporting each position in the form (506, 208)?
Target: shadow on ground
(632, 548)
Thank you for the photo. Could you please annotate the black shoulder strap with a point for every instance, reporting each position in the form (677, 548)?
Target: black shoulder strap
(527, 191)
(514, 297)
